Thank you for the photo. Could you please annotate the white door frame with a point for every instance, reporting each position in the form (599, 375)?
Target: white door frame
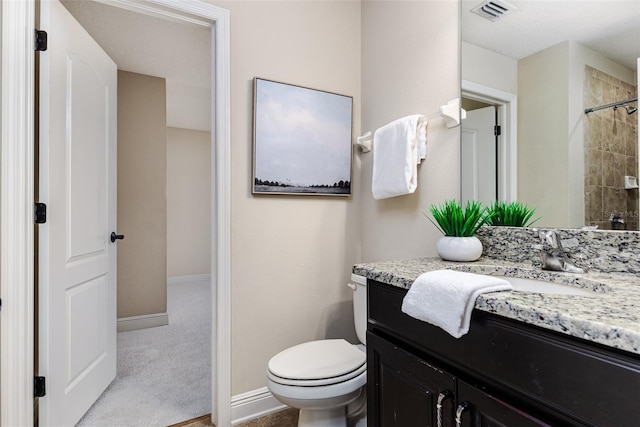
(17, 199)
(16, 214)
(507, 110)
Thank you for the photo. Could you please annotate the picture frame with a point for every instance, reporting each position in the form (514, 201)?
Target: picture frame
(302, 140)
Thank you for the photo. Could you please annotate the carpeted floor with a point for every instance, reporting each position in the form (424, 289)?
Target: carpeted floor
(164, 373)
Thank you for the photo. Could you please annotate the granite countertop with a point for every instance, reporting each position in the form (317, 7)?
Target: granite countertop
(610, 317)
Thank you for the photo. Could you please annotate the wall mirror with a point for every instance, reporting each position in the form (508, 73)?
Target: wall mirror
(530, 69)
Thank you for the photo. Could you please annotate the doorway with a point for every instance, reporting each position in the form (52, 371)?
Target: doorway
(480, 133)
(506, 161)
(17, 328)
(153, 366)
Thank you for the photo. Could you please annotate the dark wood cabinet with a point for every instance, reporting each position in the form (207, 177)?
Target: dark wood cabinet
(502, 373)
(405, 390)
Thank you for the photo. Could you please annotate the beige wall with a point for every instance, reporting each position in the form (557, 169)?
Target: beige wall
(291, 256)
(410, 65)
(542, 134)
(188, 202)
(142, 204)
(489, 68)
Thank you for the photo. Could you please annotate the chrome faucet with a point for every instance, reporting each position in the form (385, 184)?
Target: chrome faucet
(552, 253)
(617, 222)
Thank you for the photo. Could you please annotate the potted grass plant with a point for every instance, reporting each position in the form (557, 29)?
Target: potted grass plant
(459, 226)
(510, 214)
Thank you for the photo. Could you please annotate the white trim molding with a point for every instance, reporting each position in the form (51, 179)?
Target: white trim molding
(253, 404)
(142, 322)
(508, 111)
(179, 280)
(16, 214)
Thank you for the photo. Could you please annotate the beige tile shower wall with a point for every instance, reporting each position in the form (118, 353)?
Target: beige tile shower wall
(410, 65)
(142, 203)
(188, 202)
(582, 56)
(611, 151)
(291, 256)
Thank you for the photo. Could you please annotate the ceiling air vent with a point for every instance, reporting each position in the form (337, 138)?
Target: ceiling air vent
(493, 9)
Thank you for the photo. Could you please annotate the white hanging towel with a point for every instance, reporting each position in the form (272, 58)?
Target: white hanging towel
(397, 150)
(422, 138)
(445, 298)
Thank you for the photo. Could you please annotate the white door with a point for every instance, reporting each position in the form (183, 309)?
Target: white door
(77, 261)
(478, 167)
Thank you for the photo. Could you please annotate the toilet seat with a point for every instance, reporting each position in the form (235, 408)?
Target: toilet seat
(301, 397)
(317, 382)
(317, 363)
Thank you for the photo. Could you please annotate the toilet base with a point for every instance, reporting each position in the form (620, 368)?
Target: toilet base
(332, 417)
(353, 414)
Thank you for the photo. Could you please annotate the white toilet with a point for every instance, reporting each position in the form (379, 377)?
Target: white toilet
(325, 379)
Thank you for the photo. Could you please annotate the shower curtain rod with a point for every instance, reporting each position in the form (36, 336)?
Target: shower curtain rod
(613, 104)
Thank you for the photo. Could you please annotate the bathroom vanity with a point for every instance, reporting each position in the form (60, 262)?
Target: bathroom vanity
(529, 359)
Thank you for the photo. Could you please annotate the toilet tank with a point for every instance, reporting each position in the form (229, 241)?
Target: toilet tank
(359, 286)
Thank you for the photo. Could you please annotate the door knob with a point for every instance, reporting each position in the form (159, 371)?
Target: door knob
(115, 236)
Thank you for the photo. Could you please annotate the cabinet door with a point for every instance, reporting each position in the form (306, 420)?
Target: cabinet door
(404, 390)
(477, 408)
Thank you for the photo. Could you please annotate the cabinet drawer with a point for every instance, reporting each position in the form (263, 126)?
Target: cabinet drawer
(582, 381)
(478, 408)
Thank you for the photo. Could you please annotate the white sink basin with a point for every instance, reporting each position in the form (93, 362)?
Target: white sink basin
(544, 287)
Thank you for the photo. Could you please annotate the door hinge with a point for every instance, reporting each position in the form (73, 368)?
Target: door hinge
(40, 213)
(41, 40)
(497, 130)
(39, 387)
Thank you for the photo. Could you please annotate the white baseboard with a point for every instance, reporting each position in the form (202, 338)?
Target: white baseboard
(253, 404)
(142, 322)
(177, 280)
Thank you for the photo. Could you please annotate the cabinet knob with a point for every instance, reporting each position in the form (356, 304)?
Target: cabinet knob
(461, 408)
(441, 398)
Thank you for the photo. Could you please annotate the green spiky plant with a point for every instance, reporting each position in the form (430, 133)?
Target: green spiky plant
(511, 214)
(453, 220)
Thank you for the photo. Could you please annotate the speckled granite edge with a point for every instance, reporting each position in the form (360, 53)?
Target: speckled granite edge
(606, 251)
(609, 317)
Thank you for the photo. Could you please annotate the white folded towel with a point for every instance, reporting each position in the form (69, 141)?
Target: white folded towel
(397, 150)
(446, 298)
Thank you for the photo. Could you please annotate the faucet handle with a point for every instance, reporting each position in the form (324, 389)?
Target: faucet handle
(550, 237)
(544, 237)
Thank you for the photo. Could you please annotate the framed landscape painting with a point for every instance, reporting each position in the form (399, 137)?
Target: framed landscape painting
(301, 140)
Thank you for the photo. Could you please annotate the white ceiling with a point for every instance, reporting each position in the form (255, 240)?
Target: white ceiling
(178, 52)
(611, 27)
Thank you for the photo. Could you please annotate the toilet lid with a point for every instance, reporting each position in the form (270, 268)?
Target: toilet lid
(317, 360)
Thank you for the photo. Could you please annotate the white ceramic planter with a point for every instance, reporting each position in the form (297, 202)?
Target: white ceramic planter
(459, 248)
